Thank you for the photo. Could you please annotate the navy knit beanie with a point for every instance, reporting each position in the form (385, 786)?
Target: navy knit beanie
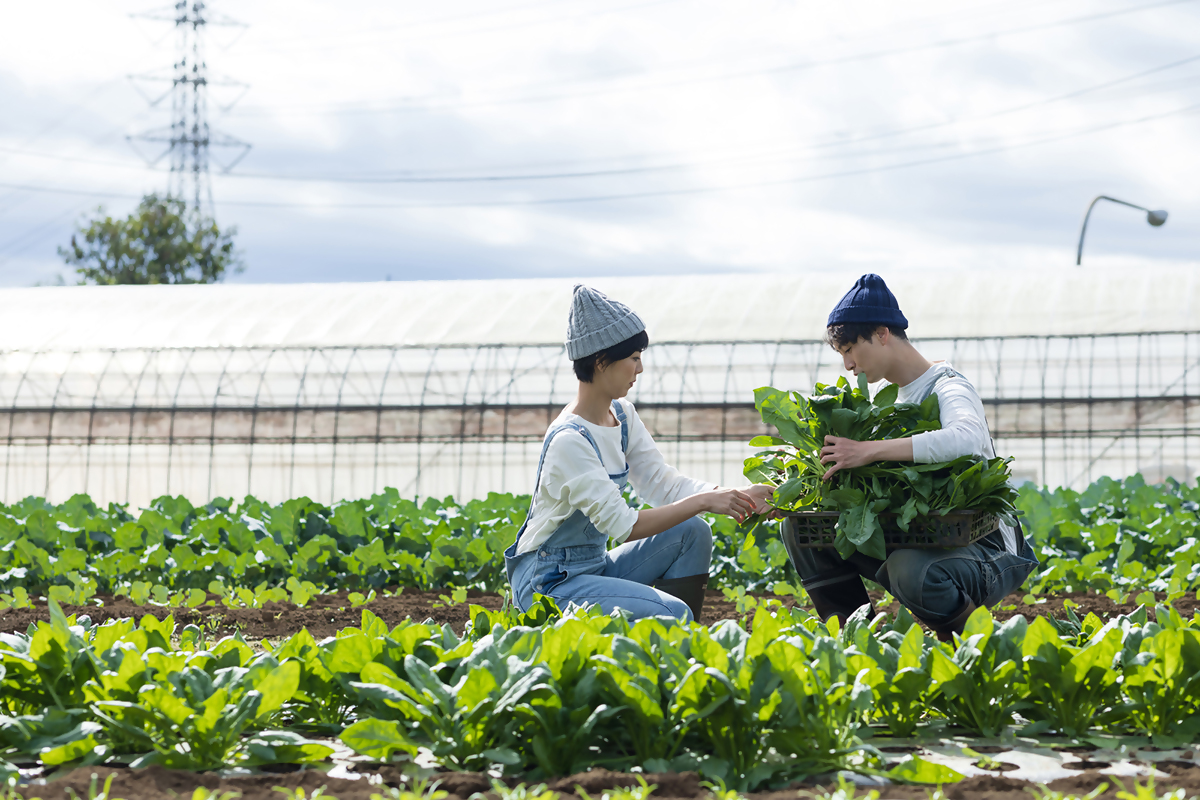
(869, 301)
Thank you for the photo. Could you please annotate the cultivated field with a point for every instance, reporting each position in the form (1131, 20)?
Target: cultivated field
(244, 645)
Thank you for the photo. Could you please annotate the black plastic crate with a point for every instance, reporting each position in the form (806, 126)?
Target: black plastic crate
(956, 529)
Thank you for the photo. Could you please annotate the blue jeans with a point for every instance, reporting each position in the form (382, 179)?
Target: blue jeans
(935, 584)
(618, 578)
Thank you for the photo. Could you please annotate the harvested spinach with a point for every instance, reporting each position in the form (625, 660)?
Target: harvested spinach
(911, 491)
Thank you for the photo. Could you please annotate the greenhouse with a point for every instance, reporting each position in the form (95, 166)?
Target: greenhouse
(446, 388)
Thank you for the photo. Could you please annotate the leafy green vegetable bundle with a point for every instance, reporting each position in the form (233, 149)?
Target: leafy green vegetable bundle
(793, 464)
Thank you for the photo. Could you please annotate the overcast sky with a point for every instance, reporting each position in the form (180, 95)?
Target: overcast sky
(530, 138)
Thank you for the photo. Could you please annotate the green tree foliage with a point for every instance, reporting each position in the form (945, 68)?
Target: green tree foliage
(158, 243)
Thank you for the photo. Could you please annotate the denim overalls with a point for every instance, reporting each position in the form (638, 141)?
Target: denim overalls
(574, 564)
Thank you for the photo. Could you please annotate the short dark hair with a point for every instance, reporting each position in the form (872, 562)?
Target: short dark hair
(838, 336)
(585, 368)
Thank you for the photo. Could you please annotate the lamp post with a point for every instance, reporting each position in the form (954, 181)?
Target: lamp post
(1155, 218)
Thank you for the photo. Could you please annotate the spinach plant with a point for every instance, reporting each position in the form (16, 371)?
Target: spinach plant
(793, 463)
(1070, 687)
(1161, 680)
(981, 684)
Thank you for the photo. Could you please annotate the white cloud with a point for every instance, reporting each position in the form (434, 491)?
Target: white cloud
(717, 93)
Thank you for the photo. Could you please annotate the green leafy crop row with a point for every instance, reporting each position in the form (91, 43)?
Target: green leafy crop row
(173, 553)
(1116, 536)
(355, 544)
(546, 693)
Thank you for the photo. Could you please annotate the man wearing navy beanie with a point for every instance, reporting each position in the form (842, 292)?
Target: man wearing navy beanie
(940, 587)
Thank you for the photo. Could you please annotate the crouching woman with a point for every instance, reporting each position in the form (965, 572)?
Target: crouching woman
(595, 447)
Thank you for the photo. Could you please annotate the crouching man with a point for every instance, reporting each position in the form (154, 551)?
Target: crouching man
(941, 587)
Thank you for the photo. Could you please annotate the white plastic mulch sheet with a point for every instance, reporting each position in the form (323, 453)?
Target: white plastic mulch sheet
(1042, 761)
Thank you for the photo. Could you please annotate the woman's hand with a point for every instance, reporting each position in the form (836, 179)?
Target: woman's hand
(730, 502)
(761, 494)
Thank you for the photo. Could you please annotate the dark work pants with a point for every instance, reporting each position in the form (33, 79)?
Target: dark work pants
(934, 584)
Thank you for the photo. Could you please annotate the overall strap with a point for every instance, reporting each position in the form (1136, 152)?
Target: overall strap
(537, 482)
(588, 435)
(947, 375)
(620, 414)
(510, 553)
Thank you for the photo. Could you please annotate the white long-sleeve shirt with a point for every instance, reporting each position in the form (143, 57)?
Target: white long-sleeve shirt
(574, 479)
(964, 424)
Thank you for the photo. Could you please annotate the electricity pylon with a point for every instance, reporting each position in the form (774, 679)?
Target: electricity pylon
(189, 136)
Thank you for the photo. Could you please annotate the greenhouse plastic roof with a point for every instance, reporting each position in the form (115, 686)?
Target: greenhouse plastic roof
(692, 308)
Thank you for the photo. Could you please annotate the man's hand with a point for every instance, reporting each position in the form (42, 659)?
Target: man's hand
(846, 454)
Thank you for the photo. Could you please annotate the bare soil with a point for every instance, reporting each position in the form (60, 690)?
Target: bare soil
(1098, 604)
(155, 783)
(325, 615)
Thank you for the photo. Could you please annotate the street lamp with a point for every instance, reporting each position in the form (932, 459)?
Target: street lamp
(1155, 218)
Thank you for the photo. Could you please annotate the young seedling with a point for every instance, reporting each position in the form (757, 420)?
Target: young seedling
(9, 792)
(519, 792)
(94, 790)
(419, 790)
(456, 597)
(203, 793)
(299, 794)
(213, 623)
(720, 792)
(982, 760)
(1046, 793)
(1147, 792)
(745, 603)
(641, 792)
(846, 790)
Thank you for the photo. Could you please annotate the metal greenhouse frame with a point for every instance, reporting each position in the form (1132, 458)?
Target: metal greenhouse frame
(128, 424)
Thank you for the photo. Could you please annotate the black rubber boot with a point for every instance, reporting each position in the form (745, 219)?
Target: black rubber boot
(840, 599)
(689, 589)
(945, 631)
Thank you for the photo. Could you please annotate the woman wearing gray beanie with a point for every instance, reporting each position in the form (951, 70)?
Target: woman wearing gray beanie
(596, 445)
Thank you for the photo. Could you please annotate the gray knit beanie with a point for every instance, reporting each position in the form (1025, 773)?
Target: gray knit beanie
(597, 323)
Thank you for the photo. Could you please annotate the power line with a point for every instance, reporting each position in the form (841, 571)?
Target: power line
(33, 236)
(1048, 139)
(351, 109)
(842, 142)
(427, 21)
(975, 12)
(604, 10)
(353, 38)
(74, 109)
(411, 178)
(77, 159)
(753, 184)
